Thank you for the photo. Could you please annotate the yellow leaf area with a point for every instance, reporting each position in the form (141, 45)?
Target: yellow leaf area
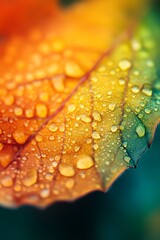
(76, 95)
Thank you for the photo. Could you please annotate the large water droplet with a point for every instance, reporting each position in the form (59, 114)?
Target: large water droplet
(66, 170)
(140, 130)
(84, 161)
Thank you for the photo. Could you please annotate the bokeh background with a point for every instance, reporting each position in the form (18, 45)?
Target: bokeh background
(129, 210)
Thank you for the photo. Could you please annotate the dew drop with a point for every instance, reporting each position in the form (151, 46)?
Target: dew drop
(41, 110)
(58, 83)
(9, 100)
(71, 108)
(29, 113)
(44, 193)
(127, 159)
(7, 181)
(121, 81)
(147, 110)
(135, 89)
(53, 127)
(70, 183)
(97, 117)
(19, 136)
(18, 111)
(72, 69)
(114, 129)
(124, 65)
(76, 148)
(85, 119)
(49, 177)
(5, 159)
(147, 90)
(136, 45)
(140, 130)
(66, 170)
(84, 162)
(95, 135)
(39, 138)
(112, 106)
(30, 178)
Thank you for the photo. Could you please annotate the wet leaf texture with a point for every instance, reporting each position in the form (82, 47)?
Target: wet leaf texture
(79, 97)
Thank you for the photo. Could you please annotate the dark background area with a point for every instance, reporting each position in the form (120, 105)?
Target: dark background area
(129, 210)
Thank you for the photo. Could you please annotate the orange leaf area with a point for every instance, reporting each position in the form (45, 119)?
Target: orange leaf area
(56, 118)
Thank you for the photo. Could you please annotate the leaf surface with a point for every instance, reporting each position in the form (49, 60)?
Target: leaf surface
(79, 98)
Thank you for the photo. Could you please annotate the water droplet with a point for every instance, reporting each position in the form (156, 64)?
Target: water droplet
(58, 83)
(9, 100)
(147, 110)
(71, 108)
(30, 178)
(76, 148)
(124, 65)
(44, 96)
(7, 181)
(84, 162)
(70, 183)
(135, 89)
(127, 159)
(5, 159)
(72, 69)
(66, 170)
(136, 45)
(41, 110)
(29, 113)
(140, 130)
(19, 136)
(114, 129)
(147, 90)
(49, 177)
(18, 111)
(39, 138)
(121, 81)
(85, 119)
(53, 127)
(97, 117)
(44, 193)
(111, 106)
(95, 135)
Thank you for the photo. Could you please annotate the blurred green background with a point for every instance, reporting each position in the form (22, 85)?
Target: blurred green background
(129, 210)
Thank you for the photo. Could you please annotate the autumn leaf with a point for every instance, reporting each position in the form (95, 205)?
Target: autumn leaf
(80, 96)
